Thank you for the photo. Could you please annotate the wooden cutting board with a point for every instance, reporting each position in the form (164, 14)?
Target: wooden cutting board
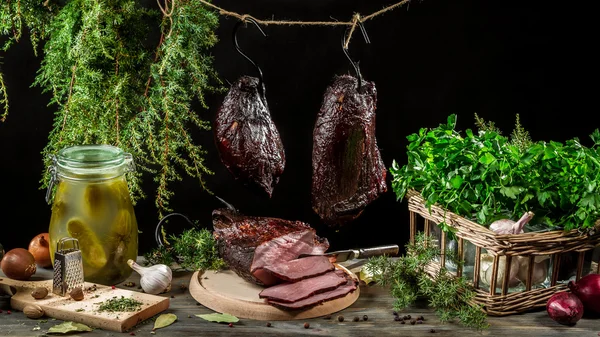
(226, 292)
(84, 311)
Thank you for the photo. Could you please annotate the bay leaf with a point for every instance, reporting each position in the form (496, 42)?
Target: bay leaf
(66, 327)
(219, 318)
(164, 320)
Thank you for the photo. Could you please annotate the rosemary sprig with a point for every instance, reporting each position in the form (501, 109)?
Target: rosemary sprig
(407, 280)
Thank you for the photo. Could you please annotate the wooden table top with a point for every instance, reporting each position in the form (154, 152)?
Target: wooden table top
(374, 301)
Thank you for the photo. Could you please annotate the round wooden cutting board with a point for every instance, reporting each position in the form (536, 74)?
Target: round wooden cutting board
(226, 292)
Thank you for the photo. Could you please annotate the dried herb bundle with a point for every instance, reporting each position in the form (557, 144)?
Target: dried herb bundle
(111, 83)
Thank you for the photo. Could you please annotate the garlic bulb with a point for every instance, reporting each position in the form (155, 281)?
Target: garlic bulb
(486, 268)
(154, 279)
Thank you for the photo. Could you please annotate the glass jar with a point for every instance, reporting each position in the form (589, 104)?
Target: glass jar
(92, 204)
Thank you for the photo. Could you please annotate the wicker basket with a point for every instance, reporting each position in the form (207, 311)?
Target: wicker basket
(498, 300)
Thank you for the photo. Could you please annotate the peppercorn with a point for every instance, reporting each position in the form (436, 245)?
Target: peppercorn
(395, 313)
(413, 321)
(112, 287)
(421, 318)
(397, 319)
(365, 317)
(172, 296)
(405, 317)
(231, 325)
(419, 321)
(356, 319)
(432, 330)
(306, 325)
(340, 318)
(402, 322)
(408, 316)
(268, 324)
(8, 312)
(132, 333)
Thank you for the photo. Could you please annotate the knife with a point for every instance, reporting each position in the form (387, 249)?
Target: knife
(362, 253)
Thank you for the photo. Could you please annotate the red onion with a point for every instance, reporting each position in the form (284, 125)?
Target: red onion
(564, 308)
(588, 291)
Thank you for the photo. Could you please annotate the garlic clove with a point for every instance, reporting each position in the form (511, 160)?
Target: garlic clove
(155, 279)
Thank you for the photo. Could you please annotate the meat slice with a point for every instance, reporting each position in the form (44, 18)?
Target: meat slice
(347, 170)
(247, 139)
(295, 291)
(308, 302)
(248, 244)
(296, 270)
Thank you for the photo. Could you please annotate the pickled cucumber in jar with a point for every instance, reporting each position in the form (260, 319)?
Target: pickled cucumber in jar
(93, 206)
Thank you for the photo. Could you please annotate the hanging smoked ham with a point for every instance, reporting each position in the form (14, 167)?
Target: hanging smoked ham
(247, 139)
(347, 170)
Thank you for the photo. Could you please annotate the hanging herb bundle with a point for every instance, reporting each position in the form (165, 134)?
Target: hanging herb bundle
(408, 280)
(111, 83)
(487, 176)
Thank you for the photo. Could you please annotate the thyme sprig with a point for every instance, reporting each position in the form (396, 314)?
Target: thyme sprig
(408, 280)
(193, 249)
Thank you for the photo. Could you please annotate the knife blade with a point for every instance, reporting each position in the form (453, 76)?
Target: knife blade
(361, 253)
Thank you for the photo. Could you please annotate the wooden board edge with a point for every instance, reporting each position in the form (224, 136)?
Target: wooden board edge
(105, 323)
(265, 312)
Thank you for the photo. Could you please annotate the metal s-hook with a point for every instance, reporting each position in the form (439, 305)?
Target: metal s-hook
(261, 84)
(355, 64)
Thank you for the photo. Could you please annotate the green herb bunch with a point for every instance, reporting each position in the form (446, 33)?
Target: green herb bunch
(112, 82)
(408, 280)
(486, 176)
(194, 249)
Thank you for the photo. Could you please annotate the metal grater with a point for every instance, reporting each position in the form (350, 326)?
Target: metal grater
(68, 267)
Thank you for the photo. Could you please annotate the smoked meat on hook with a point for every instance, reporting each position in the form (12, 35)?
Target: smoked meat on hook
(247, 139)
(347, 170)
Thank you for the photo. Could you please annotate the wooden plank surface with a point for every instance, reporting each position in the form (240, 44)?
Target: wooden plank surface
(373, 301)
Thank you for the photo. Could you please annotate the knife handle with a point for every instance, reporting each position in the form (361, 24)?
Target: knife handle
(390, 250)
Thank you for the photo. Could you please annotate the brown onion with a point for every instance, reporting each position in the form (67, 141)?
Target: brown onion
(18, 264)
(39, 247)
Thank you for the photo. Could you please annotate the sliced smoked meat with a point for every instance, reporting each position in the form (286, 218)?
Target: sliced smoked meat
(296, 291)
(250, 243)
(296, 270)
(313, 300)
(347, 170)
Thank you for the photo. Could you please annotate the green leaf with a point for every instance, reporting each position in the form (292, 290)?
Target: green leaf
(511, 192)
(595, 136)
(487, 159)
(164, 320)
(219, 318)
(456, 181)
(67, 327)
(452, 121)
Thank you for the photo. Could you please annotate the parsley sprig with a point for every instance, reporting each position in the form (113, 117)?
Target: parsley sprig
(485, 176)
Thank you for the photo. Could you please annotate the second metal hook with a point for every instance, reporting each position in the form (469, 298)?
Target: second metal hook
(355, 65)
(261, 83)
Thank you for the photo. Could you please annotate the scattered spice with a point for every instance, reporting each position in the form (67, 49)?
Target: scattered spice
(356, 319)
(408, 316)
(268, 324)
(419, 321)
(398, 319)
(39, 293)
(365, 318)
(120, 305)
(76, 294)
(306, 325)
(402, 322)
(405, 317)
(80, 310)
(113, 287)
(340, 318)
(130, 284)
(433, 331)
(8, 312)
(421, 318)
(413, 321)
(172, 296)
(327, 317)
(189, 316)
(0, 310)
(231, 325)
(395, 313)
(131, 333)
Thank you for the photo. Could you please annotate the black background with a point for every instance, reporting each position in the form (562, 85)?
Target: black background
(434, 59)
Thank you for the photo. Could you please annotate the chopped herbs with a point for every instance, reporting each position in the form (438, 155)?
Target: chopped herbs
(122, 304)
(407, 279)
(195, 249)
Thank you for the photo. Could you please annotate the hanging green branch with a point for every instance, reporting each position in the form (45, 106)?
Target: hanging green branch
(111, 84)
